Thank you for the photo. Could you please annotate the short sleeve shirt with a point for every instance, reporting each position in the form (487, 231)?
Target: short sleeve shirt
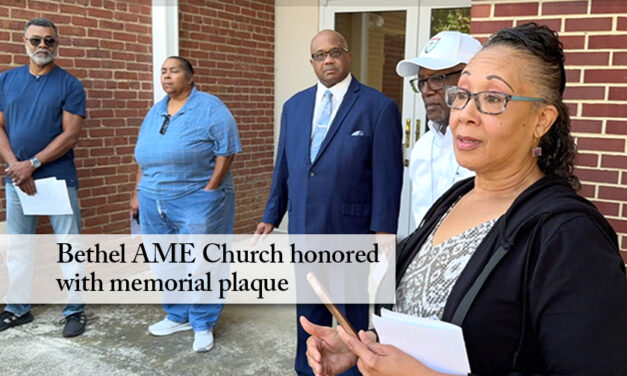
(181, 161)
(33, 115)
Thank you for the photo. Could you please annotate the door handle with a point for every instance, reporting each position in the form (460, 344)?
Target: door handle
(407, 132)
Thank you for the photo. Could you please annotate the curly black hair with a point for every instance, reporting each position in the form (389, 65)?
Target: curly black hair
(546, 72)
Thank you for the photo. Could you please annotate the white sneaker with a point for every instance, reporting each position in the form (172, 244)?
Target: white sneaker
(166, 327)
(203, 341)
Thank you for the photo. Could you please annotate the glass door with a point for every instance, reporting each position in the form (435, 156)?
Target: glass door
(380, 36)
(435, 17)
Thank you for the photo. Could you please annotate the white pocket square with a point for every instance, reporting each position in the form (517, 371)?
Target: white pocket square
(358, 133)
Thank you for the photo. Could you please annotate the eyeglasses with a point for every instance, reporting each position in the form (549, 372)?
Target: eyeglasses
(164, 126)
(36, 41)
(335, 53)
(436, 82)
(487, 102)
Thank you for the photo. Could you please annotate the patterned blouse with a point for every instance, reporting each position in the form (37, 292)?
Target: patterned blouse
(430, 277)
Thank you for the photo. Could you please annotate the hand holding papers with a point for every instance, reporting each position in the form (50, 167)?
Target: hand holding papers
(437, 344)
(52, 198)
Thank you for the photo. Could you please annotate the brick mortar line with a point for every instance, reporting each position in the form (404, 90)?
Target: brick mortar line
(595, 118)
(595, 101)
(574, 33)
(588, 152)
(596, 198)
(599, 153)
(597, 67)
(595, 50)
(574, 16)
(612, 202)
(568, 33)
(615, 23)
(598, 135)
(609, 185)
(583, 168)
(594, 33)
(598, 185)
(541, 3)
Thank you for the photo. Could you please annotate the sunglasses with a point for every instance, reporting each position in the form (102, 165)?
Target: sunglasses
(36, 41)
(164, 126)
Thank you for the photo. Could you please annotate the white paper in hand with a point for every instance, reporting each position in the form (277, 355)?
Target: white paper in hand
(52, 198)
(437, 344)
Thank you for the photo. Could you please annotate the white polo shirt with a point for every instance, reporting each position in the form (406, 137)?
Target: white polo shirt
(433, 169)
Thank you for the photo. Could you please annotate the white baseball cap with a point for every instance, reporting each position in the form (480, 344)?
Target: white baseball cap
(445, 50)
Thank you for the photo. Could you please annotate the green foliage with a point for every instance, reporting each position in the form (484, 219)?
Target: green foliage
(450, 19)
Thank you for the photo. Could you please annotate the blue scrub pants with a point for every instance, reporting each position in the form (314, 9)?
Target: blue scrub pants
(201, 212)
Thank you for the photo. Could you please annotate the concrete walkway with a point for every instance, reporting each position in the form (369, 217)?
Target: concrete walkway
(250, 340)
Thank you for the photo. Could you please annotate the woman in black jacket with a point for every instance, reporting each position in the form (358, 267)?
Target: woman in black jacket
(529, 269)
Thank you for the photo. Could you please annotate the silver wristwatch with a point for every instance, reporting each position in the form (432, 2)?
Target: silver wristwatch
(35, 162)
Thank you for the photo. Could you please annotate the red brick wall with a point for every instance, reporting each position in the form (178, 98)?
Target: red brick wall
(107, 45)
(231, 45)
(594, 34)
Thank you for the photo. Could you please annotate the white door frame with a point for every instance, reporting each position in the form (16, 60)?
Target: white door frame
(418, 27)
(165, 40)
(328, 9)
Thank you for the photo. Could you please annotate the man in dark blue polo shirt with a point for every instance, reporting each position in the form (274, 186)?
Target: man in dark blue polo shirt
(42, 110)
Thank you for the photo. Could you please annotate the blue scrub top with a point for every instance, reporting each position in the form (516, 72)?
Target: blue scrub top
(182, 160)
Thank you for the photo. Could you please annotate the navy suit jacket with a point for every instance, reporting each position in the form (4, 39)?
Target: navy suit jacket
(354, 184)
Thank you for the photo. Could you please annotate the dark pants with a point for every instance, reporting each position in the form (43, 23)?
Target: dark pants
(357, 315)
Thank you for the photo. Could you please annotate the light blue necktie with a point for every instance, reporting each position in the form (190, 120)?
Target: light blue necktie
(321, 126)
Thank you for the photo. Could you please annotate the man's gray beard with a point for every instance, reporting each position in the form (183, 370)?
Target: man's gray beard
(39, 60)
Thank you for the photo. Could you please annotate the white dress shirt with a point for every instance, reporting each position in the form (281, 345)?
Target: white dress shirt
(433, 169)
(338, 92)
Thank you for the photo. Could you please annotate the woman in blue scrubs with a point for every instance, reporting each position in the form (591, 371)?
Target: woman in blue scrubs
(184, 185)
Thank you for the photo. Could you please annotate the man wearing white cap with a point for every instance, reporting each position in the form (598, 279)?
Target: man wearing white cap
(432, 165)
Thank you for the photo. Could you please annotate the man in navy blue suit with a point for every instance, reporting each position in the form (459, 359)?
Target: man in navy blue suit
(339, 167)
